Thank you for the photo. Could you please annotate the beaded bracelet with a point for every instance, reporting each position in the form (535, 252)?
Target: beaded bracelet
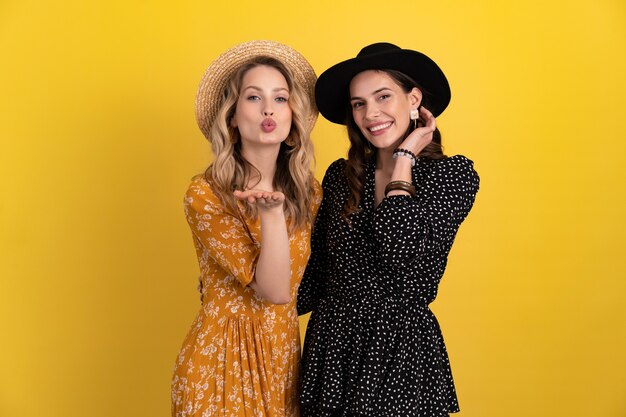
(401, 186)
(405, 152)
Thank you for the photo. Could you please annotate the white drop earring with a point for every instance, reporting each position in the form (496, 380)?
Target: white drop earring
(414, 115)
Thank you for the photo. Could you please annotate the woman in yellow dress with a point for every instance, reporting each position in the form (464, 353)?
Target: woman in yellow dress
(250, 215)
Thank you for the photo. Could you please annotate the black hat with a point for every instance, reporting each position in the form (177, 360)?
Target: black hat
(331, 89)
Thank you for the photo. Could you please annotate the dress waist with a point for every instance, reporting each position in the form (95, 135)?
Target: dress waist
(378, 297)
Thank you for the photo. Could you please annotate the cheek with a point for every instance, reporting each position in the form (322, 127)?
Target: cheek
(239, 114)
(358, 121)
(401, 112)
(286, 117)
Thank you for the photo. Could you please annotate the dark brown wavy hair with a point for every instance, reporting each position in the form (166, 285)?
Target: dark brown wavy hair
(361, 152)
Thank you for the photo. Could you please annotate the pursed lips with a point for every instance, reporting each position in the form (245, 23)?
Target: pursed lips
(268, 125)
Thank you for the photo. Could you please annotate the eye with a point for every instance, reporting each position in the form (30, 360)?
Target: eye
(384, 96)
(253, 98)
(282, 99)
(357, 104)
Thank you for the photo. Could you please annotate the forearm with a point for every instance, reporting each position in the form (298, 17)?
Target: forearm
(406, 154)
(273, 271)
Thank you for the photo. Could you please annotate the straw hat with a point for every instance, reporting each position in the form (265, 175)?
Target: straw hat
(332, 87)
(216, 77)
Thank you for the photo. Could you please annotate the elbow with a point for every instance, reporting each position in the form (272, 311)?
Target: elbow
(274, 295)
(272, 290)
(279, 298)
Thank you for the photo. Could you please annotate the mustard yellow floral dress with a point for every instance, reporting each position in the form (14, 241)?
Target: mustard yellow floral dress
(242, 354)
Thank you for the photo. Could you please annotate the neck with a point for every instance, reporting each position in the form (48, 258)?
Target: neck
(384, 160)
(264, 160)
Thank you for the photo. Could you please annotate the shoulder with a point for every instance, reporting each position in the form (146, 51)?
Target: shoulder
(201, 197)
(455, 162)
(200, 188)
(316, 187)
(449, 167)
(455, 171)
(334, 172)
(336, 167)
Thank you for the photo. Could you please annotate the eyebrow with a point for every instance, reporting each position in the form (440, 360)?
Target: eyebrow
(254, 87)
(375, 92)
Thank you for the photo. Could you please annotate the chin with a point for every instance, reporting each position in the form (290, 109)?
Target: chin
(386, 144)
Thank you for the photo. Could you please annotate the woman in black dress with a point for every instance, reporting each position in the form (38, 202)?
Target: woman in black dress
(388, 219)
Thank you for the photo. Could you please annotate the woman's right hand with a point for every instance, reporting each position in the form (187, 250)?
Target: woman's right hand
(419, 138)
(264, 200)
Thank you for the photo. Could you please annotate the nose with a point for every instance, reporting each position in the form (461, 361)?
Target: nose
(268, 110)
(372, 111)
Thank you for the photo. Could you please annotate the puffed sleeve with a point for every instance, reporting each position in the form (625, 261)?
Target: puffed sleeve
(313, 285)
(407, 228)
(221, 234)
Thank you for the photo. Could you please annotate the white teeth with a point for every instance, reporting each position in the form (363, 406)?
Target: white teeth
(380, 127)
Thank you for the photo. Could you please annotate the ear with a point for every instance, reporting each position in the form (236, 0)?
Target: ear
(415, 97)
(233, 121)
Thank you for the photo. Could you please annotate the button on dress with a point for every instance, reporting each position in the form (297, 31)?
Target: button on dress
(241, 355)
(373, 347)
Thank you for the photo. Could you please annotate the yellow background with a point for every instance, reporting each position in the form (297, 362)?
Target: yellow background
(99, 141)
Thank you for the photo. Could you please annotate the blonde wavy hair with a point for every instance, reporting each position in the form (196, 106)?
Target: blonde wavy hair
(231, 171)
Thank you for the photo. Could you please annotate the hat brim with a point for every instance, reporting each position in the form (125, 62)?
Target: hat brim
(213, 84)
(332, 87)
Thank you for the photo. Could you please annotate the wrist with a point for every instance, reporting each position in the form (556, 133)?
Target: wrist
(398, 187)
(276, 212)
(404, 164)
(405, 154)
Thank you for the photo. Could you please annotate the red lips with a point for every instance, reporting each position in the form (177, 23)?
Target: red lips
(268, 125)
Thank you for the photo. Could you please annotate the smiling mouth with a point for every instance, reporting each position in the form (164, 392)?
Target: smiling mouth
(380, 127)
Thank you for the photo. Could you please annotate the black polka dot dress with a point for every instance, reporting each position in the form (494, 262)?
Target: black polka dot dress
(373, 347)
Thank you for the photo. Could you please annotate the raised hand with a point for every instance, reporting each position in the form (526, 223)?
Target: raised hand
(423, 135)
(264, 200)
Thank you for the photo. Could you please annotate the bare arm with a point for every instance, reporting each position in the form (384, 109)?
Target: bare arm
(272, 278)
